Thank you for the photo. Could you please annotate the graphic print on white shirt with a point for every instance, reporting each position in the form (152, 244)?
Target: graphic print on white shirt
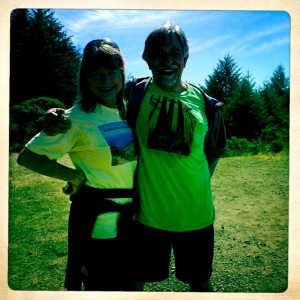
(119, 138)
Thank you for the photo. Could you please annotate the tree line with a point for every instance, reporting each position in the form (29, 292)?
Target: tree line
(44, 72)
(256, 118)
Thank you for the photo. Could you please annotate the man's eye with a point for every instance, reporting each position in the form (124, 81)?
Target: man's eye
(176, 53)
(157, 53)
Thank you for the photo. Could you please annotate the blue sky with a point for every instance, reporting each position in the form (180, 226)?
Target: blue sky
(258, 40)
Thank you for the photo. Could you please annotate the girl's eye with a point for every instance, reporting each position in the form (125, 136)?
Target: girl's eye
(98, 74)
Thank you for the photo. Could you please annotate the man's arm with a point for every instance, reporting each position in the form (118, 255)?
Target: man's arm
(215, 141)
(45, 166)
(54, 122)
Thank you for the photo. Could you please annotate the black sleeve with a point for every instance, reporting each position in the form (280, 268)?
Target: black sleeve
(215, 140)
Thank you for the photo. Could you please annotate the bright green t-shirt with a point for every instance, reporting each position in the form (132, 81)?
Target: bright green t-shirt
(173, 174)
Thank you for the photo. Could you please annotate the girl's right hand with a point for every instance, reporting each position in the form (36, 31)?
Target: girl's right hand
(73, 186)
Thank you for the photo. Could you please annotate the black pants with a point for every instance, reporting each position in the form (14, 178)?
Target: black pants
(106, 265)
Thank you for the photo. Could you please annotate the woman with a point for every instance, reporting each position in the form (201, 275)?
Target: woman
(101, 147)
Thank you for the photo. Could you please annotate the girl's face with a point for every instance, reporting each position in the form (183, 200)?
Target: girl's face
(105, 83)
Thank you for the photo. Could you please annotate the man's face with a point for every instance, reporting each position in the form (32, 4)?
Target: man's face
(167, 62)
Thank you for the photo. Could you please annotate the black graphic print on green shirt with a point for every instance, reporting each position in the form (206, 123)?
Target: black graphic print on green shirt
(171, 126)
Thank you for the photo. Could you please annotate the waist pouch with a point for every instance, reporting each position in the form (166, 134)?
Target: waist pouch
(106, 193)
(91, 202)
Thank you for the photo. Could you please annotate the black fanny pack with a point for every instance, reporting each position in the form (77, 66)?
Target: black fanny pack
(92, 202)
(108, 193)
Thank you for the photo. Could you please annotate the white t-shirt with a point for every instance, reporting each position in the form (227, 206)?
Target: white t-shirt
(101, 144)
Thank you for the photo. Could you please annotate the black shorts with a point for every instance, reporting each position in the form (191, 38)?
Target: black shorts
(151, 253)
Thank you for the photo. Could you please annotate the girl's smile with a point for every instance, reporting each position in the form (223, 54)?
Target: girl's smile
(106, 83)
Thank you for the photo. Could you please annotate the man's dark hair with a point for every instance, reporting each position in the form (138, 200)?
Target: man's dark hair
(161, 34)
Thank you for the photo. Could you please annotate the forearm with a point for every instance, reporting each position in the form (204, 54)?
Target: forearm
(212, 163)
(45, 166)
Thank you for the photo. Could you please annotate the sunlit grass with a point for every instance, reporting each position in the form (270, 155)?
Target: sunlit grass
(251, 228)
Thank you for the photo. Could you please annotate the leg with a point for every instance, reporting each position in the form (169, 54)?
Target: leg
(193, 251)
(103, 265)
(150, 252)
(77, 239)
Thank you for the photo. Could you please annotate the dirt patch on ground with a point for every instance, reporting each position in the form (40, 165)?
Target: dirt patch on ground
(251, 228)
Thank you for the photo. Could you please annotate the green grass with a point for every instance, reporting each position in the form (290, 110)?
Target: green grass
(251, 229)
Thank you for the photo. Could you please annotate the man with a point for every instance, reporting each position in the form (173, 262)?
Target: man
(180, 135)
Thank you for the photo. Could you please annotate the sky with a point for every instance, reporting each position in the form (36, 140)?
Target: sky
(259, 41)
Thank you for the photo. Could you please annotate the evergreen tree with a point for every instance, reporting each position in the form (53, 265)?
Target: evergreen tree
(244, 115)
(223, 84)
(20, 51)
(224, 79)
(275, 93)
(279, 82)
(275, 96)
(44, 62)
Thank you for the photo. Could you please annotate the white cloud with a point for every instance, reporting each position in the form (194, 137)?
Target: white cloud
(270, 45)
(211, 34)
(266, 32)
(202, 45)
(116, 19)
(259, 41)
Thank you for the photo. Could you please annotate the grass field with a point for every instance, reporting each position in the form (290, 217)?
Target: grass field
(251, 228)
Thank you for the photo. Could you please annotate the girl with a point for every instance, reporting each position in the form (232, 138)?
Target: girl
(100, 145)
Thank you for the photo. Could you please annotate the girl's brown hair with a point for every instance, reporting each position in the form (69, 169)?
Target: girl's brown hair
(100, 53)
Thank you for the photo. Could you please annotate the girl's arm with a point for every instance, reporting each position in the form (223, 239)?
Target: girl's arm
(45, 166)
